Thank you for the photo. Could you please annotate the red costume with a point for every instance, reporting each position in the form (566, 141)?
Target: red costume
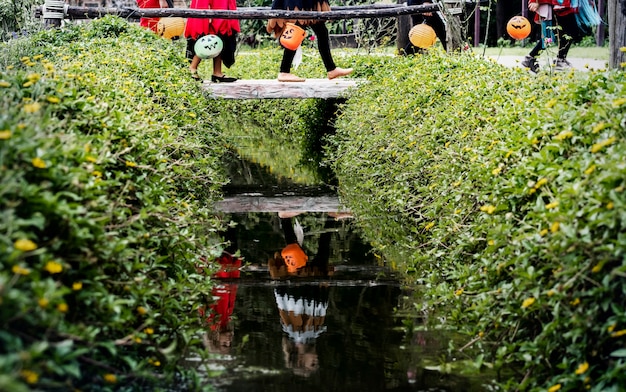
(197, 27)
(150, 23)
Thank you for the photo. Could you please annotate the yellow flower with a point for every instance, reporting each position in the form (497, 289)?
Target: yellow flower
(575, 302)
(38, 163)
(543, 232)
(156, 363)
(555, 227)
(489, 209)
(552, 205)
(609, 205)
(110, 378)
(96, 173)
(550, 293)
(619, 333)
(611, 327)
(149, 331)
(33, 77)
(91, 159)
(496, 171)
(554, 388)
(564, 135)
(130, 164)
(4, 83)
(619, 102)
(582, 368)
(458, 292)
(24, 245)
(53, 99)
(551, 103)
(141, 310)
(599, 146)
(508, 154)
(4, 135)
(598, 127)
(77, 286)
(590, 170)
(29, 376)
(32, 107)
(597, 268)
(528, 302)
(62, 308)
(137, 339)
(19, 270)
(541, 183)
(43, 302)
(491, 242)
(53, 267)
(429, 226)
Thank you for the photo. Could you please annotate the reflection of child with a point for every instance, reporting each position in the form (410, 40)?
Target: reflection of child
(218, 317)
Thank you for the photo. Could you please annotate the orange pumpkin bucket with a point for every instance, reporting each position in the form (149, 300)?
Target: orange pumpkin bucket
(292, 36)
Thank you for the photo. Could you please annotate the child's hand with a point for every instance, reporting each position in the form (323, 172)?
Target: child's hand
(533, 7)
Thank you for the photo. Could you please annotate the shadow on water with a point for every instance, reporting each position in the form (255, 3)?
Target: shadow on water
(302, 302)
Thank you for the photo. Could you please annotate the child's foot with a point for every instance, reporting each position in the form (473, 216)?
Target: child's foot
(338, 72)
(194, 74)
(222, 79)
(288, 77)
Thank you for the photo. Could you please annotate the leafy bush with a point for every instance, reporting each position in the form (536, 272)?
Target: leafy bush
(504, 195)
(109, 167)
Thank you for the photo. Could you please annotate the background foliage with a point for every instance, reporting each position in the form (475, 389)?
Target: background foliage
(109, 166)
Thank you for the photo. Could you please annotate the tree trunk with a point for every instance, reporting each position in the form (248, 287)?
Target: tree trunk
(451, 13)
(617, 33)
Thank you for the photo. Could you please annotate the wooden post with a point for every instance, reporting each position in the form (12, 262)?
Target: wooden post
(617, 33)
(600, 32)
(477, 25)
(451, 9)
(403, 25)
(53, 13)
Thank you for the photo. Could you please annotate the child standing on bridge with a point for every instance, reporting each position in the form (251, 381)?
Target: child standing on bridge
(226, 29)
(276, 27)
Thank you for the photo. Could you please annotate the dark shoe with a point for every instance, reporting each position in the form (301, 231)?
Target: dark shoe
(222, 79)
(562, 65)
(531, 63)
(195, 76)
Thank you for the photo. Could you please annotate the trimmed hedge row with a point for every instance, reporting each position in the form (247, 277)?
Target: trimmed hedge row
(504, 194)
(109, 166)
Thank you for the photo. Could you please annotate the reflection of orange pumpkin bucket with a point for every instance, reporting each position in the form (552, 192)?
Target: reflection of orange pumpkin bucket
(292, 36)
(294, 257)
(423, 36)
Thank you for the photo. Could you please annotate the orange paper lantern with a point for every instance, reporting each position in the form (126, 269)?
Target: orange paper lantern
(518, 27)
(292, 36)
(423, 36)
(171, 27)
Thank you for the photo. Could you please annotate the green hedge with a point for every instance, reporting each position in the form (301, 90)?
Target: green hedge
(109, 165)
(504, 194)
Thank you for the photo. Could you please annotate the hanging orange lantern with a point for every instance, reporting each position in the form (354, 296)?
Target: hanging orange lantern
(171, 27)
(423, 36)
(292, 36)
(518, 27)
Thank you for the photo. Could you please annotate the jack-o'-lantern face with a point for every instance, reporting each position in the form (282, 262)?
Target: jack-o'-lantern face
(209, 46)
(292, 36)
(518, 27)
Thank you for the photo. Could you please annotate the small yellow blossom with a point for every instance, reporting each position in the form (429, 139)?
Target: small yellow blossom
(550, 293)
(598, 127)
(4, 83)
(38, 57)
(600, 145)
(149, 331)
(141, 310)
(496, 171)
(43, 302)
(489, 209)
(53, 99)
(555, 227)
(554, 388)
(429, 225)
(156, 363)
(543, 232)
(611, 327)
(5, 134)
(528, 302)
(29, 376)
(32, 107)
(619, 333)
(609, 205)
(130, 164)
(551, 103)
(619, 102)
(597, 268)
(590, 170)
(24, 245)
(110, 378)
(137, 339)
(582, 368)
(53, 267)
(552, 205)
(491, 242)
(90, 158)
(458, 292)
(575, 302)
(532, 190)
(541, 182)
(77, 286)
(564, 135)
(62, 308)
(38, 163)
(19, 270)
(96, 173)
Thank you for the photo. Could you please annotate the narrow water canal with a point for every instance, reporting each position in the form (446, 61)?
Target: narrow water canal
(343, 323)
